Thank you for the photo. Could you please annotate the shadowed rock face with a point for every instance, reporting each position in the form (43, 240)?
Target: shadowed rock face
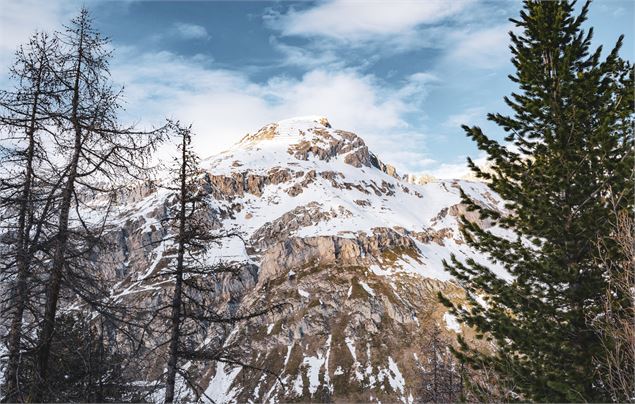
(327, 228)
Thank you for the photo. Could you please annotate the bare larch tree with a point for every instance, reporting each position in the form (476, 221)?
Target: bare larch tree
(26, 195)
(96, 153)
(192, 308)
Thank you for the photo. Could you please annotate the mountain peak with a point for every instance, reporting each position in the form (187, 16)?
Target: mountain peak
(306, 142)
(303, 120)
(291, 129)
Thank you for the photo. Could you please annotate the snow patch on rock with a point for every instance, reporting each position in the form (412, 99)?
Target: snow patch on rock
(451, 323)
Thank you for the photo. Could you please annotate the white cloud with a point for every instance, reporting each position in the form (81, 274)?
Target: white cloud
(353, 20)
(458, 169)
(416, 86)
(461, 33)
(450, 170)
(189, 31)
(20, 19)
(483, 49)
(471, 116)
(304, 56)
(224, 105)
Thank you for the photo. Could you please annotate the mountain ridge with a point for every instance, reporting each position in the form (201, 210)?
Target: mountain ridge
(322, 225)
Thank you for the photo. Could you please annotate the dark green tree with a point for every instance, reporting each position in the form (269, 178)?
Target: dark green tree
(87, 363)
(564, 170)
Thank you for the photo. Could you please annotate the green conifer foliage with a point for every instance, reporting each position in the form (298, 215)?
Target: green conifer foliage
(565, 170)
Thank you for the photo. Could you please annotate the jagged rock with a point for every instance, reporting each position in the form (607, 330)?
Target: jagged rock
(460, 210)
(284, 226)
(267, 132)
(419, 179)
(298, 187)
(295, 253)
(324, 122)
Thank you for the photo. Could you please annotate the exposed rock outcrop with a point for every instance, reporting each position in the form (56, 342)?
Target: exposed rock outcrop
(298, 253)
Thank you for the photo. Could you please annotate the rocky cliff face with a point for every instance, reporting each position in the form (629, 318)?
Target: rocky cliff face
(353, 248)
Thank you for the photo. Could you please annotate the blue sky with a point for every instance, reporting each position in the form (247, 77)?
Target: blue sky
(402, 74)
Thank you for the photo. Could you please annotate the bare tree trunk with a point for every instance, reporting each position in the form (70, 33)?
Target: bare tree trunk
(61, 245)
(177, 298)
(616, 361)
(22, 263)
(435, 366)
(33, 68)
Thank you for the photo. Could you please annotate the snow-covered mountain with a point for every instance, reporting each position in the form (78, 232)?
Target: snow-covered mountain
(354, 248)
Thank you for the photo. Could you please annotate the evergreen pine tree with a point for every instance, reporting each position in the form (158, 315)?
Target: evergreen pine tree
(566, 170)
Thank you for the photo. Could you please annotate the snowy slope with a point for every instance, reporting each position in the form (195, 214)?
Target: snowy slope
(360, 198)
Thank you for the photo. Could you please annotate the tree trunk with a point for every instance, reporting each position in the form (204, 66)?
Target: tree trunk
(177, 298)
(61, 245)
(23, 260)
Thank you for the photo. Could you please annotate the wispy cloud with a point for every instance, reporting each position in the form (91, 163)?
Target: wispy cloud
(470, 116)
(350, 20)
(18, 21)
(458, 169)
(186, 30)
(484, 49)
(416, 86)
(305, 57)
(352, 32)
